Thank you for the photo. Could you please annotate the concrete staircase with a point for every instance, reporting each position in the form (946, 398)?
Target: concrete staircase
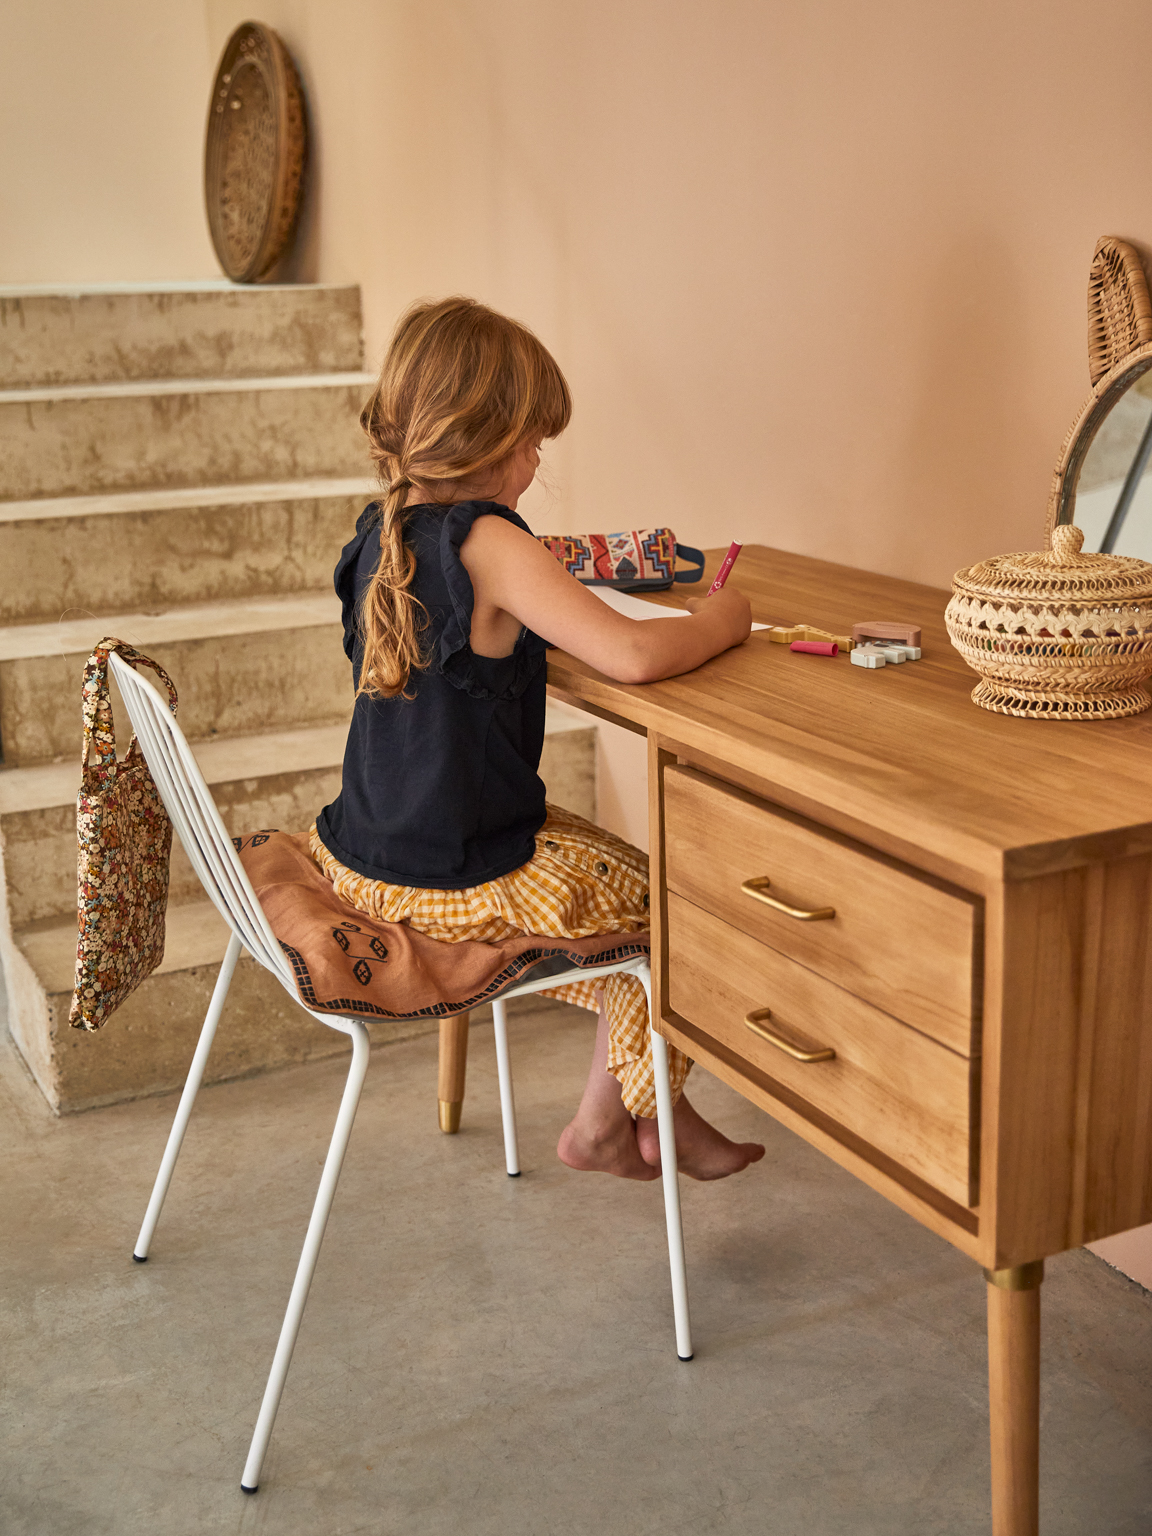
(180, 466)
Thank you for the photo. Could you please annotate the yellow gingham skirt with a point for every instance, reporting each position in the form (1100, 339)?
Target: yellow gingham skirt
(580, 881)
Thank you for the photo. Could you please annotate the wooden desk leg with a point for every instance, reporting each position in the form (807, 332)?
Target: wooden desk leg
(1014, 1397)
(453, 1064)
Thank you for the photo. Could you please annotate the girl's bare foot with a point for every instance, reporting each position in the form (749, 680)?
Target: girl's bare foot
(601, 1137)
(701, 1151)
(604, 1147)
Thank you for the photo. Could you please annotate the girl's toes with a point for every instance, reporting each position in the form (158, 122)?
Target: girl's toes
(648, 1140)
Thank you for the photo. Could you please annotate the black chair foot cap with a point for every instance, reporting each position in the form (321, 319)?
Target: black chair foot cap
(684, 1359)
(136, 1259)
(243, 1489)
(515, 1175)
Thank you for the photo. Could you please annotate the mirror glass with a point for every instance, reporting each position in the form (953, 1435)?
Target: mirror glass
(1113, 501)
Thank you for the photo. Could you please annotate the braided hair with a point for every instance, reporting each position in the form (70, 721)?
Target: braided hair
(461, 388)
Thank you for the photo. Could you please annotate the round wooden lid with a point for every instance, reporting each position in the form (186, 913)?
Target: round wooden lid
(254, 153)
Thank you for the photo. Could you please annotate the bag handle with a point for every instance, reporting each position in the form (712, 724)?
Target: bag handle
(696, 556)
(99, 729)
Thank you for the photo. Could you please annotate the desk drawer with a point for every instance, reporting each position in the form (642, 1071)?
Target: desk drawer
(897, 939)
(901, 1092)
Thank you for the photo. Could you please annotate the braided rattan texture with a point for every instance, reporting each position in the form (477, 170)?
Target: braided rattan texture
(1060, 635)
(1119, 351)
(1119, 310)
(254, 153)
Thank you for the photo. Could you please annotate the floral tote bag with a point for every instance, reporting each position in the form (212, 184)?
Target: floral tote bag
(124, 840)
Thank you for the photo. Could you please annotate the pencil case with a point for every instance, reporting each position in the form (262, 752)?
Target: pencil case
(636, 561)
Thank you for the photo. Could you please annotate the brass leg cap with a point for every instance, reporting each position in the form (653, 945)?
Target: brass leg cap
(449, 1116)
(1024, 1277)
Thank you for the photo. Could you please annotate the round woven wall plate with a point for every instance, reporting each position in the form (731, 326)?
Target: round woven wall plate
(254, 153)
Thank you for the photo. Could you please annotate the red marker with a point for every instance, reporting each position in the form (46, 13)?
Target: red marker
(729, 561)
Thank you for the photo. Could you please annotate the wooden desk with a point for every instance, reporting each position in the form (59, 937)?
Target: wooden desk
(986, 981)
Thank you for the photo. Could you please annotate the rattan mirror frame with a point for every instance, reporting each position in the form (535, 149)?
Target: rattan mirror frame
(1119, 351)
(253, 208)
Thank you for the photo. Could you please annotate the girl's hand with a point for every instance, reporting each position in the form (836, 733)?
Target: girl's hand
(729, 608)
(516, 581)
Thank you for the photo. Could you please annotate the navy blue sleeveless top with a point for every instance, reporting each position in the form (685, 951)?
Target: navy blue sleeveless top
(440, 790)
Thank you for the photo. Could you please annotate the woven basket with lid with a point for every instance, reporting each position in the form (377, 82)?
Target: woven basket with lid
(1061, 635)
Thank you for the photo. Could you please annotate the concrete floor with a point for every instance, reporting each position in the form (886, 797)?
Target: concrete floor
(487, 1355)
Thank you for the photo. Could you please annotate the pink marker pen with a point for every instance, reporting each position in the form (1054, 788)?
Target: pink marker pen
(729, 561)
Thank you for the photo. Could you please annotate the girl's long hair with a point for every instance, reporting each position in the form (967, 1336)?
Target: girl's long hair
(461, 388)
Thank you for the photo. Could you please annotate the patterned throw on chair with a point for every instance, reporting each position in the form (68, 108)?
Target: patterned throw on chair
(348, 963)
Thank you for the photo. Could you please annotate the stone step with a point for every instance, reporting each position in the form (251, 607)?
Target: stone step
(278, 779)
(147, 1044)
(116, 331)
(150, 549)
(81, 439)
(240, 667)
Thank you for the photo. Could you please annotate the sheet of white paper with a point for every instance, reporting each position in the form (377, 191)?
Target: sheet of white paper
(633, 607)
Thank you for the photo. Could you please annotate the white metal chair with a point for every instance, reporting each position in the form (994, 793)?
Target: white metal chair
(197, 823)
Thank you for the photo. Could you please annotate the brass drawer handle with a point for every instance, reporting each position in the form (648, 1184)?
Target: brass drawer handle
(755, 1022)
(758, 888)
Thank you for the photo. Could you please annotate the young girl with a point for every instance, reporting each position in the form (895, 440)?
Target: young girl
(449, 606)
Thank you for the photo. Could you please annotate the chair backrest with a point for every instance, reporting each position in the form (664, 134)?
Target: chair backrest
(190, 805)
(193, 813)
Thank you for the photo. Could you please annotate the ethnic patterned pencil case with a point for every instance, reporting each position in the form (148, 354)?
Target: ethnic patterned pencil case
(639, 561)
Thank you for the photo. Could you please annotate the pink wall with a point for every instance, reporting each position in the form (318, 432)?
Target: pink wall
(817, 273)
(102, 111)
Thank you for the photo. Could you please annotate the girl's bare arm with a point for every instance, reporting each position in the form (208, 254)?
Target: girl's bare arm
(516, 581)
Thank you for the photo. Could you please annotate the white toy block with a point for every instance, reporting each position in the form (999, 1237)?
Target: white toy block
(897, 650)
(867, 656)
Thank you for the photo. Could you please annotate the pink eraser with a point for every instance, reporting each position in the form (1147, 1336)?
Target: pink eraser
(816, 647)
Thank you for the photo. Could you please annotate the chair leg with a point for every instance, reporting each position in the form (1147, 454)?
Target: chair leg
(453, 1065)
(187, 1100)
(670, 1175)
(507, 1102)
(249, 1482)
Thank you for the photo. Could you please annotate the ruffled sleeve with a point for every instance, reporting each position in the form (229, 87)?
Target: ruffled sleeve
(348, 587)
(483, 677)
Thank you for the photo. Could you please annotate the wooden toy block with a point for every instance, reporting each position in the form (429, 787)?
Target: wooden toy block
(783, 634)
(884, 629)
(868, 656)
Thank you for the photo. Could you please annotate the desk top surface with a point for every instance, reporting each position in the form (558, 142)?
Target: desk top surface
(901, 752)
